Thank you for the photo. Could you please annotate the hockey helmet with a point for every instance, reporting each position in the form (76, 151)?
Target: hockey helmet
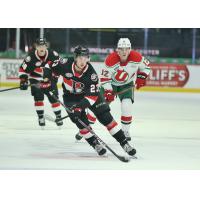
(124, 43)
(81, 51)
(41, 41)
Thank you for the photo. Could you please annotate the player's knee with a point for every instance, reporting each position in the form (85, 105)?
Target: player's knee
(127, 101)
(105, 118)
(38, 98)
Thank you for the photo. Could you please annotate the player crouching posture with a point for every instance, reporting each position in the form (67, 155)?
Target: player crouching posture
(80, 88)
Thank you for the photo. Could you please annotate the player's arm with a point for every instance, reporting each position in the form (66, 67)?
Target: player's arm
(105, 77)
(28, 65)
(144, 66)
(143, 72)
(23, 76)
(57, 67)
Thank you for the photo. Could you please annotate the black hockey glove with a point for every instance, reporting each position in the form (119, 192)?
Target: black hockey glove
(23, 82)
(76, 112)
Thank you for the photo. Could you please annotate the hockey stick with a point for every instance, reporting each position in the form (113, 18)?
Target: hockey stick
(14, 88)
(123, 91)
(121, 158)
(51, 119)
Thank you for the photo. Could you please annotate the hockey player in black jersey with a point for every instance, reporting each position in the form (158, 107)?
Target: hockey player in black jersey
(32, 70)
(81, 91)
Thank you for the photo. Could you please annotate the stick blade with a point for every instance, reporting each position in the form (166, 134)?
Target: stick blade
(123, 158)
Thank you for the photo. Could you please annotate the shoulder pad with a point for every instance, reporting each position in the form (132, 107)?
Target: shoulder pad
(112, 59)
(135, 56)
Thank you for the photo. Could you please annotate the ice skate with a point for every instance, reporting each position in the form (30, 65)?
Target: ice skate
(98, 147)
(59, 122)
(128, 148)
(127, 135)
(78, 136)
(41, 122)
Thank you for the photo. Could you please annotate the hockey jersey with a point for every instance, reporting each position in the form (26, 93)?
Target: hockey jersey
(33, 65)
(117, 73)
(76, 86)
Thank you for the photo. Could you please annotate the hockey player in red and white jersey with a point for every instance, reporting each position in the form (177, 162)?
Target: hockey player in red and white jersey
(123, 70)
(31, 70)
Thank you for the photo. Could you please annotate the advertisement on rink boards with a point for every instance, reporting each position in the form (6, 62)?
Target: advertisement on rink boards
(161, 76)
(168, 75)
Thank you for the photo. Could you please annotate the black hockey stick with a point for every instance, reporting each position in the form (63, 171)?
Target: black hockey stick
(14, 88)
(49, 118)
(121, 158)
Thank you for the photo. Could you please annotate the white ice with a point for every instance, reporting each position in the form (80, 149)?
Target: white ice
(165, 132)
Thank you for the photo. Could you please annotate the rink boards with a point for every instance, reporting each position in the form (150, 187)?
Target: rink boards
(163, 77)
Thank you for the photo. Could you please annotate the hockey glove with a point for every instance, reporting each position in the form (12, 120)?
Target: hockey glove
(45, 86)
(109, 95)
(141, 80)
(24, 83)
(76, 112)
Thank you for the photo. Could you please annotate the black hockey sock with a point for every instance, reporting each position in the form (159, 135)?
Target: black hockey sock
(92, 141)
(120, 137)
(40, 113)
(58, 113)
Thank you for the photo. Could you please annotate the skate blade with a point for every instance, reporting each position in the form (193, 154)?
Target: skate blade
(133, 157)
(104, 155)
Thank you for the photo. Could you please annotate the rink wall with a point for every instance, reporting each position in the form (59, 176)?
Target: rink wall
(163, 77)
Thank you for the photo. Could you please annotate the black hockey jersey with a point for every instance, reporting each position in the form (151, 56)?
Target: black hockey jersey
(83, 87)
(33, 64)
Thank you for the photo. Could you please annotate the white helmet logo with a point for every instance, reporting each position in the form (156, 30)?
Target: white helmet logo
(124, 43)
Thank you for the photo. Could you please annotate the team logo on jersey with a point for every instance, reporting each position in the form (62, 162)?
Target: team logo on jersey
(38, 64)
(94, 77)
(55, 53)
(28, 59)
(120, 76)
(63, 60)
(78, 87)
(68, 75)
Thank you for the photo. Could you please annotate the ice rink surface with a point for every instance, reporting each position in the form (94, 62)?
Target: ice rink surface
(165, 132)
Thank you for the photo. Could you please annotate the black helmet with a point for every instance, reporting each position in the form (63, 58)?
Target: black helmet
(81, 51)
(41, 41)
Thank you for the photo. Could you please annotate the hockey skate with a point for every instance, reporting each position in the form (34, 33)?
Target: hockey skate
(78, 136)
(59, 122)
(127, 135)
(98, 147)
(41, 122)
(128, 148)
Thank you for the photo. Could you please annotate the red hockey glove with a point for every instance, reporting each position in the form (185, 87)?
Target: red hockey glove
(109, 95)
(141, 80)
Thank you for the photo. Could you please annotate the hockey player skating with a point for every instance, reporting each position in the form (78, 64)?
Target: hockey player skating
(32, 70)
(123, 69)
(81, 91)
